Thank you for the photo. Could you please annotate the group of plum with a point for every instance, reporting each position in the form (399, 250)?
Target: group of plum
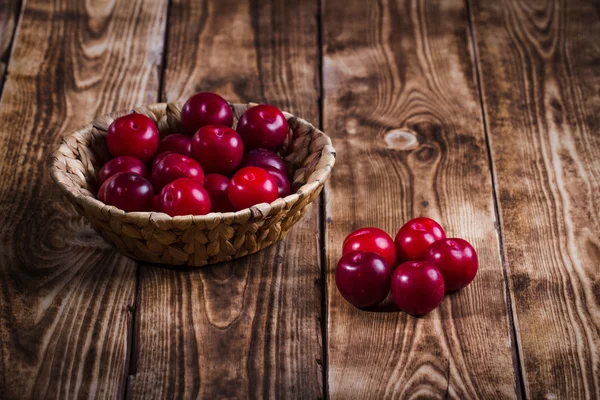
(429, 266)
(208, 167)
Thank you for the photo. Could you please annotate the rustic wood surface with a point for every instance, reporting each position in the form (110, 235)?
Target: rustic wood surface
(545, 142)
(66, 296)
(248, 328)
(402, 105)
(481, 114)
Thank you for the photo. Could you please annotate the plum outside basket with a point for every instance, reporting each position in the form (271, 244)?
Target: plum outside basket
(190, 240)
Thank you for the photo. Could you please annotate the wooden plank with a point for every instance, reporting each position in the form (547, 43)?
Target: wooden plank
(402, 104)
(248, 328)
(540, 78)
(9, 12)
(65, 295)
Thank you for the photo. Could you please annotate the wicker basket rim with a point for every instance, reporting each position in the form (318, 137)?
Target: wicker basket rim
(75, 193)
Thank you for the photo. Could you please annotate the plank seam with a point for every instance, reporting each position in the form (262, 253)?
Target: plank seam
(132, 346)
(20, 7)
(161, 83)
(131, 360)
(322, 212)
(517, 362)
(6, 60)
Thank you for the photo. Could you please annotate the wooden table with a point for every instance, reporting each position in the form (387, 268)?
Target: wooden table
(484, 115)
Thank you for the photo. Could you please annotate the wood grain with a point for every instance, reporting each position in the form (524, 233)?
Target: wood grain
(66, 296)
(402, 105)
(248, 328)
(9, 12)
(540, 79)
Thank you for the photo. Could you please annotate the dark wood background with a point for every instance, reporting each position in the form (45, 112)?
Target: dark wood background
(484, 115)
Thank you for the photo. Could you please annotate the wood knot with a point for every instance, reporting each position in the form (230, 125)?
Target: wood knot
(401, 139)
(352, 126)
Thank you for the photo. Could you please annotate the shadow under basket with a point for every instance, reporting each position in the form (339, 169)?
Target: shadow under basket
(190, 240)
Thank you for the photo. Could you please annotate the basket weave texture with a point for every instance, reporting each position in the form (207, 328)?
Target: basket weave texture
(190, 240)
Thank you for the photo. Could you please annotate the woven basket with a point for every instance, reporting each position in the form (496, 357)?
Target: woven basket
(190, 240)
